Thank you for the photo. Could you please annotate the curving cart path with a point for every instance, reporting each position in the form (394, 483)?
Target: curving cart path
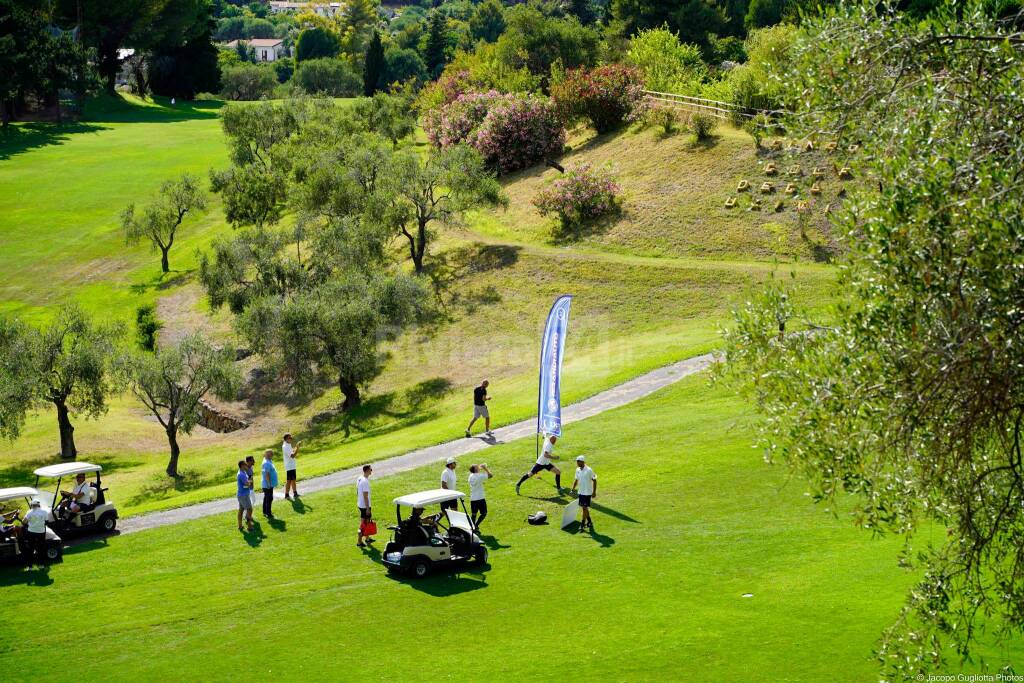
(617, 396)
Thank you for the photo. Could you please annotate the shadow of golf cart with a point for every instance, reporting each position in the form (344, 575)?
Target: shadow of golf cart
(96, 516)
(420, 544)
(13, 542)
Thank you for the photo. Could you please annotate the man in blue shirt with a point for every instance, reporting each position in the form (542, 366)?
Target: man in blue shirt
(244, 492)
(268, 483)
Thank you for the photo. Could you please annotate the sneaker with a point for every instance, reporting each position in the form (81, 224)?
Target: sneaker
(517, 490)
(295, 495)
(468, 435)
(286, 497)
(371, 540)
(360, 545)
(489, 433)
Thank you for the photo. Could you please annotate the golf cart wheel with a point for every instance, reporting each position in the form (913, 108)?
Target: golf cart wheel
(480, 556)
(420, 568)
(53, 552)
(108, 523)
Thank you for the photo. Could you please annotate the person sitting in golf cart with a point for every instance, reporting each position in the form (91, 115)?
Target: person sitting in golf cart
(417, 528)
(8, 530)
(78, 499)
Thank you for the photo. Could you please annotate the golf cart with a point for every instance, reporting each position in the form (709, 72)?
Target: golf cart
(415, 547)
(99, 514)
(12, 538)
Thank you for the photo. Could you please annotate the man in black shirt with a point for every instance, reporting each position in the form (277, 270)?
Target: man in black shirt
(480, 399)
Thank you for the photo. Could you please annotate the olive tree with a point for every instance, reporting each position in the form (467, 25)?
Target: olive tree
(172, 382)
(419, 193)
(909, 397)
(158, 224)
(65, 364)
(334, 328)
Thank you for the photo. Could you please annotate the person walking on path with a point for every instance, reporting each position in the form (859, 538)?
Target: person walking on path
(480, 399)
(290, 451)
(243, 481)
(448, 480)
(544, 463)
(35, 533)
(268, 483)
(478, 474)
(363, 502)
(586, 480)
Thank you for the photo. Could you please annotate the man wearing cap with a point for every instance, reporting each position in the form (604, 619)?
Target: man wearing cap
(586, 481)
(35, 532)
(268, 482)
(448, 482)
(544, 463)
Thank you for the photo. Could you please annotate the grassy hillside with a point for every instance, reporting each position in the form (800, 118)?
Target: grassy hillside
(632, 312)
(673, 199)
(689, 521)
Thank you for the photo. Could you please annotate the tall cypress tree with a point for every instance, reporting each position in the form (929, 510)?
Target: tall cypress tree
(373, 66)
(435, 54)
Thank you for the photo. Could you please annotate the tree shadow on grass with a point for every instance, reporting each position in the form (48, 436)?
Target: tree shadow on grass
(414, 403)
(26, 137)
(449, 270)
(163, 281)
(704, 144)
(29, 576)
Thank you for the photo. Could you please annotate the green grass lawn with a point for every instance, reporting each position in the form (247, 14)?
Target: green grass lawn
(62, 190)
(689, 519)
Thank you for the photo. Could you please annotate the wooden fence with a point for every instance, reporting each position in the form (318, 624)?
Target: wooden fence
(697, 105)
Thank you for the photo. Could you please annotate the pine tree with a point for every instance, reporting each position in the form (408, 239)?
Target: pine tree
(373, 67)
(435, 53)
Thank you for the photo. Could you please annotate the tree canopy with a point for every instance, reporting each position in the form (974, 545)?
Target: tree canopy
(908, 396)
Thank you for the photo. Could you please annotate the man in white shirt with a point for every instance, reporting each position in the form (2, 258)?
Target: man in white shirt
(586, 481)
(290, 451)
(35, 533)
(448, 482)
(544, 463)
(78, 498)
(363, 502)
(478, 474)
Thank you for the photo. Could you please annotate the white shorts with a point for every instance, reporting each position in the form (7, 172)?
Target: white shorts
(480, 411)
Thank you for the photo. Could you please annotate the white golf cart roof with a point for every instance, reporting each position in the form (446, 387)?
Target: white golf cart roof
(432, 497)
(18, 492)
(66, 468)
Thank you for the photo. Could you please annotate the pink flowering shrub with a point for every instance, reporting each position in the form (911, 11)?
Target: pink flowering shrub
(510, 131)
(606, 96)
(582, 194)
(452, 123)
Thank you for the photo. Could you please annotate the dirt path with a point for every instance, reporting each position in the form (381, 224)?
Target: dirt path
(620, 395)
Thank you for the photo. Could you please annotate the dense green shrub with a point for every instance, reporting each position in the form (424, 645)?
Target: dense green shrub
(316, 43)
(701, 125)
(248, 82)
(667, 64)
(332, 77)
(146, 327)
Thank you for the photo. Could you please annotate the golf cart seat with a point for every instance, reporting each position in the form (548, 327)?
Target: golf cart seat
(97, 496)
